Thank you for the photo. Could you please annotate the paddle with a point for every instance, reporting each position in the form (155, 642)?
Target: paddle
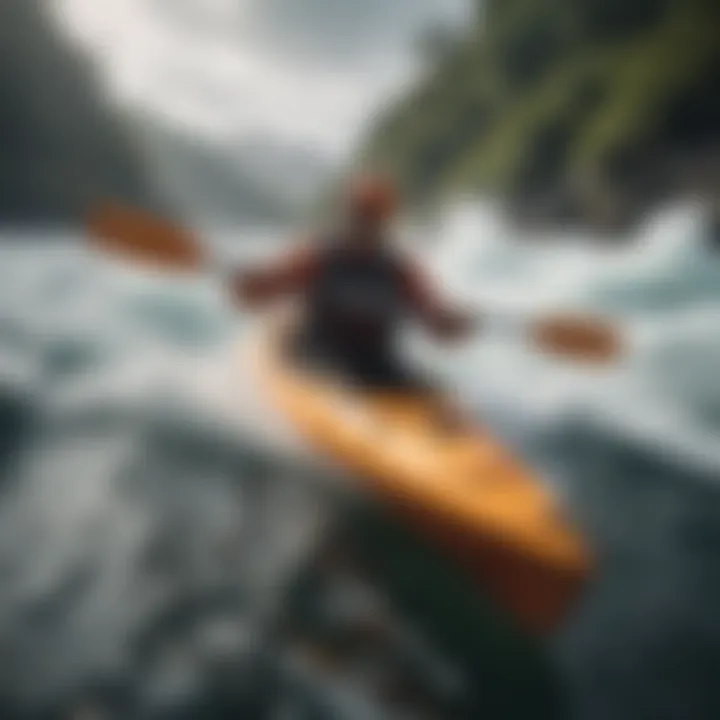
(580, 338)
(143, 238)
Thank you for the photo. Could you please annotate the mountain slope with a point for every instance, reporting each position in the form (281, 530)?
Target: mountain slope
(62, 145)
(252, 180)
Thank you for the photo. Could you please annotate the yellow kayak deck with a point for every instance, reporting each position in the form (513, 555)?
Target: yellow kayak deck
(462, 490)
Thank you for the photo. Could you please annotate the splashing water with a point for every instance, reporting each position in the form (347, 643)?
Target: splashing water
(154, 512)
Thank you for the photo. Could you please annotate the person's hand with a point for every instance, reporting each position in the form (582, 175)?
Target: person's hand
(454, 325)
(248, 288)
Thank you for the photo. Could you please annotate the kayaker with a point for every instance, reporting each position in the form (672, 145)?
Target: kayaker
(356, 289)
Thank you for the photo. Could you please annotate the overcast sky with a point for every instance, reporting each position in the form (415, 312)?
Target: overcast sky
(304, 71)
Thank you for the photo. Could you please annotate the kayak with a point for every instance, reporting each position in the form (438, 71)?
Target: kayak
(460, 489)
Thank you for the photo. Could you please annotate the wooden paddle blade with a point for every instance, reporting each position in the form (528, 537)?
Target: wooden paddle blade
(582, 339)
(141, 237)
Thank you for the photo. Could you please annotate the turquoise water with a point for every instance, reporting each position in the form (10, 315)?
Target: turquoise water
(155, 517)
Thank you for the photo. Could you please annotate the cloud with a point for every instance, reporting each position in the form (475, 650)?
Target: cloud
(308, 71)
(349, 31)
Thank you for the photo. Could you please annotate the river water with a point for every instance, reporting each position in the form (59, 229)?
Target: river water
(155, 517)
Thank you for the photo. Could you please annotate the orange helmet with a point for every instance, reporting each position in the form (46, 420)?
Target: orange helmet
(372, 197)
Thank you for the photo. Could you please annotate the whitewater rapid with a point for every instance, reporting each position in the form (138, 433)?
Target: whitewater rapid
(142, 470)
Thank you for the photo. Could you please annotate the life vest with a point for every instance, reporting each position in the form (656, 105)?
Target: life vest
(355, 301)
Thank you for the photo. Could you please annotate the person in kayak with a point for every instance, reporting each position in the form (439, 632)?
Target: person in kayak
(355, 287)
(355, 290)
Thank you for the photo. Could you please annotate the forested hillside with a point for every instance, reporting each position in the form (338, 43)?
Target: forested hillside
(587, 111)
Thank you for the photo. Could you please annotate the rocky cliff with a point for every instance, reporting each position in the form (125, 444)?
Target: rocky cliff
(60, 143)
